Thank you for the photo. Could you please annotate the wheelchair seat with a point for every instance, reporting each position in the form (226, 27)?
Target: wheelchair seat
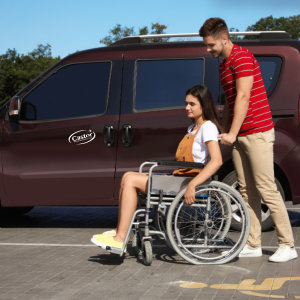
(170, 185)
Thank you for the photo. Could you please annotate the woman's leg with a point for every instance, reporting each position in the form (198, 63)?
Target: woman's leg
(132, 182)
(124, 179)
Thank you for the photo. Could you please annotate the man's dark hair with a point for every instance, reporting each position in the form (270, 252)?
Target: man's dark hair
(213, 27)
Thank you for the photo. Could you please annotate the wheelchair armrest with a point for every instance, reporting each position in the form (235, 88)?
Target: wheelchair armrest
(180, 164)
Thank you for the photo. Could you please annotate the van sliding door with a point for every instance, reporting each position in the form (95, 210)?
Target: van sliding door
(153, 119)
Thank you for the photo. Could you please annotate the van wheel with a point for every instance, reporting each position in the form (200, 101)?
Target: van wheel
(13, 212)
(266, 219)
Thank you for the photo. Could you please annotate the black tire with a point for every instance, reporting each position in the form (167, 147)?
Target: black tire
(13, 212)
(266, 219)
(136, 244)
(147, 253)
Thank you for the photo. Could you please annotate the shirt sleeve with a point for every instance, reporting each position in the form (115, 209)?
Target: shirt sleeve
(210, 132)
(243, 65)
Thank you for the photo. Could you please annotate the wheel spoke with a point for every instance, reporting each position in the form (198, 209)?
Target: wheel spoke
(200, 232)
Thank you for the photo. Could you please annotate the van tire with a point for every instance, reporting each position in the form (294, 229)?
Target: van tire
(13, 212)
(267, 221)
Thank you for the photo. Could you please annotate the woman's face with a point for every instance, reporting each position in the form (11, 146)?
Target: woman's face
(193, 107)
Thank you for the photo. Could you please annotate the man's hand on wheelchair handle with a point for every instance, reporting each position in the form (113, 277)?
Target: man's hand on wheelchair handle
(227, 139)
(189, 195)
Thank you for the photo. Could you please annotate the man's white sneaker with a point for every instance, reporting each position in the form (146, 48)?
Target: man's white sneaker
(283, 253)
(250, 252)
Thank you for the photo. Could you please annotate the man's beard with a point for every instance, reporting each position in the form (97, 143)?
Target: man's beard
(216, 54)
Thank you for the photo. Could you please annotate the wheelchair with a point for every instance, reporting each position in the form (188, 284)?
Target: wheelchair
(200, 233)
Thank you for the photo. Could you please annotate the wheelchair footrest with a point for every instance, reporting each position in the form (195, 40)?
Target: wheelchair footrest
(115, 250)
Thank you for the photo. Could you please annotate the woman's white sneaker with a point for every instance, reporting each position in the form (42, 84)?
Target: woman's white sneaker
(250, 252)
(283, 253)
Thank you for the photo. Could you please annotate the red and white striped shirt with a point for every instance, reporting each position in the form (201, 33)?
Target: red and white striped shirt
(242, 63)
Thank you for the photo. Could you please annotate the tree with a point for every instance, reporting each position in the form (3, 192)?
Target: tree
(119, 32)
(116, 34)
(290, 24)
(234, 37)
(17, 70)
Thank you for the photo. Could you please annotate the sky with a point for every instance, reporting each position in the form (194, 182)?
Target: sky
(74, 25)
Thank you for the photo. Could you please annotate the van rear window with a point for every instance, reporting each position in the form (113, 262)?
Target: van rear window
(161, 84)
(270, 69)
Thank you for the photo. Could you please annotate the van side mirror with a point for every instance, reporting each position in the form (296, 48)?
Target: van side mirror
(14, 108)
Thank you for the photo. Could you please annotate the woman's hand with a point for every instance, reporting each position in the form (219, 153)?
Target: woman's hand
(189, 195)
(209, 170)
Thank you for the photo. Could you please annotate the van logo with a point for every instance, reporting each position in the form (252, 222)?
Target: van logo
(81, 137)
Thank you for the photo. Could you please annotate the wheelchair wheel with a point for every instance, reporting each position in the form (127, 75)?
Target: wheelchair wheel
(200, 233)
(147, 253)
(160, 223)
(137, 244)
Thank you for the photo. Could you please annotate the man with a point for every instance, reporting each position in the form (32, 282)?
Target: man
(252, 135)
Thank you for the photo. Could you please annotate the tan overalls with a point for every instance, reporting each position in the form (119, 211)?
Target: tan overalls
(185, 153)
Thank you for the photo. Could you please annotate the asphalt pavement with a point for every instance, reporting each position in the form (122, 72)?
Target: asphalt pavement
(47, 254)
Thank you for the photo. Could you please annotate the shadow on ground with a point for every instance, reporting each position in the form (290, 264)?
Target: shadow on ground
(64, 217)
(79, 217)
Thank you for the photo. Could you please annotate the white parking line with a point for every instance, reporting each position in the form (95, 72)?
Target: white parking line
(275, 247)
(46, 245)
(91, 245)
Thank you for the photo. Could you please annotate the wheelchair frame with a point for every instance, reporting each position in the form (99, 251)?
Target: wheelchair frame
(200, 233)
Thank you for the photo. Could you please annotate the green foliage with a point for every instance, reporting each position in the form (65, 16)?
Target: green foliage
(16, 70)
(290, 24)
(234, 37)
(119, 32)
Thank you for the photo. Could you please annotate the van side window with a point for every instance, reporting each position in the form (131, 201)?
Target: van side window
(162, 83)
(73, 91)
(270, 70)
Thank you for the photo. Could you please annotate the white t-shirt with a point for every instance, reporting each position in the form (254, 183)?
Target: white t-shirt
(208, 132)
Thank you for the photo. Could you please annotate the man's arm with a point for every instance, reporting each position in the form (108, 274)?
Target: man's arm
(243, 89)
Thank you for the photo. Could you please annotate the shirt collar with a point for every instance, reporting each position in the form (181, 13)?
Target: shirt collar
(233, 51)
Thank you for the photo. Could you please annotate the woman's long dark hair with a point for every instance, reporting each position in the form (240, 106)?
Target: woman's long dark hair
(205, 98)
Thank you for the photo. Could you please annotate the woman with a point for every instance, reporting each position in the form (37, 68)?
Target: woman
(200, 144)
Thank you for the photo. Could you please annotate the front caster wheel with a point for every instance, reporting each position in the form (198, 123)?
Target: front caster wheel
(147, 253)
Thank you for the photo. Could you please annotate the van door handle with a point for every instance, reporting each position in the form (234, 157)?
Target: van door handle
(127, 135)
(109, 135)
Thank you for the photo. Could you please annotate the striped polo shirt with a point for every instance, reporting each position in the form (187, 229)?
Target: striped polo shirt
(242, 63)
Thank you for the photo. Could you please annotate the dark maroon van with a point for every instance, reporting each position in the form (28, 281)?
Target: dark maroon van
(67, 137)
